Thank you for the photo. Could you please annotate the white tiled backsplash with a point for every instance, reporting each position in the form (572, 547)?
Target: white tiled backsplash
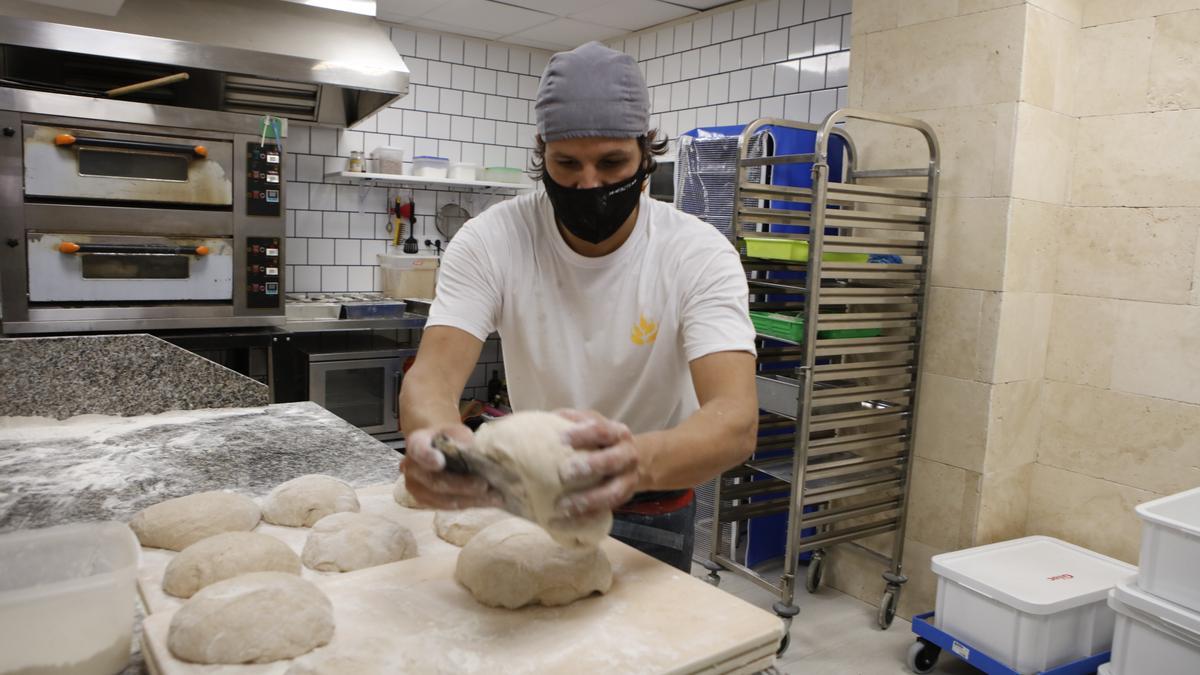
(472, 100)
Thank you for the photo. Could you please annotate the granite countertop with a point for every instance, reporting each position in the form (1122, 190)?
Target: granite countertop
(135, 374)
(96, 467)
(99, 467)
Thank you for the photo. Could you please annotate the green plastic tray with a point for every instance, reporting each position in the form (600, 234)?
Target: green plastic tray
(791, 327)
(793, 249)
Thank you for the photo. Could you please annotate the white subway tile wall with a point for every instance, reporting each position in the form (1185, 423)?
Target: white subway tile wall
(472, 100)
(787, 58)
(469, 100)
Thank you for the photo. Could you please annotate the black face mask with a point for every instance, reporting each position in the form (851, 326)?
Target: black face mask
(594, 214)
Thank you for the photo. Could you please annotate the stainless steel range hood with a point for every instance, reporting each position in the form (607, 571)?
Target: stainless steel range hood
(242, 56)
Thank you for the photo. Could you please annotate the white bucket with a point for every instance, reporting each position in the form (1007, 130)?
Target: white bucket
(1033, 603)
(408, 276)
(1153, 635)
(1169, 563)
(67, 598)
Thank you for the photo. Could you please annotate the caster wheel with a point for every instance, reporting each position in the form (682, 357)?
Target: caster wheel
(887, 608)
(922, 656)
(786, 642)
(713, 578)
(816, 569)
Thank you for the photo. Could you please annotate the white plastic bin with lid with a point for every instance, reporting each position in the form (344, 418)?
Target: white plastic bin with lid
(1033, 603)
(408, 275)
(1153, 636)
(428, 166)
(1169, 562)
(67, 598)
(388, 160)
(463, 171)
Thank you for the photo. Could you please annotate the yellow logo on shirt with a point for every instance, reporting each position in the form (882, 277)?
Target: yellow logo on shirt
(645, 332)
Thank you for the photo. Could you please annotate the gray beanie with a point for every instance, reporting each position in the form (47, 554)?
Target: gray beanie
(592, 91)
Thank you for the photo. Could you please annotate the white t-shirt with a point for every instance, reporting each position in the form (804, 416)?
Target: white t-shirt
(613, 334)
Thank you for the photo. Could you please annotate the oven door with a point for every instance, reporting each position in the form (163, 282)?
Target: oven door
(98, 268)
(361, 391)
(87, 164)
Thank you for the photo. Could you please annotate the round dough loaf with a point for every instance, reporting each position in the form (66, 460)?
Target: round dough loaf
(254, 618)
(403, 497)
(344, 542)
(302, 501)
(530, 445)
(178, 523)
(224, 556)
(514, 563)
(457, 527)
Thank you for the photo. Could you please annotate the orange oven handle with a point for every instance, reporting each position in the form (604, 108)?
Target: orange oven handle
(144, 249)
(67, 140)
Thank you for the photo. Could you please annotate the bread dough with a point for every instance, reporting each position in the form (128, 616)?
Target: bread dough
(514, 563)
(403, 497)
(303, 501)
(253, 618)
(224, 556)
(178, 523)
(457, 527)
(344, 542)
(530, 444)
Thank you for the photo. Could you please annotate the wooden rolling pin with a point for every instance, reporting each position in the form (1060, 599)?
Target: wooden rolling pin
(148, 84)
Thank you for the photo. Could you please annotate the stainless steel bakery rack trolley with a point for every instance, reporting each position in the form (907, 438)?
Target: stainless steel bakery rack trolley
(839, 403)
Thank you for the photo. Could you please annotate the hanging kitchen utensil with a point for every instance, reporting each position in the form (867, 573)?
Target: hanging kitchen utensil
(450, 219)
(410, 244)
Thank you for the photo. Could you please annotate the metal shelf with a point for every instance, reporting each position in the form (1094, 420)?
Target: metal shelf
(839, 412)
(423, 182)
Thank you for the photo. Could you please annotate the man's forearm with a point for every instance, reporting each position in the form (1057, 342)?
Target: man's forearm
(426, 401)
(719, 435)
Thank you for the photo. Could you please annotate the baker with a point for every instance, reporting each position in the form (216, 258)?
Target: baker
(619, 310)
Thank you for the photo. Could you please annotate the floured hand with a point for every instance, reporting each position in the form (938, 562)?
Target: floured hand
(426, 478)
(604, 471)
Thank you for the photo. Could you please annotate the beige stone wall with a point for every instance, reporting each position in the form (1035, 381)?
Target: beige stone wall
(1121, 404)
(957, 64)
(1061, 382)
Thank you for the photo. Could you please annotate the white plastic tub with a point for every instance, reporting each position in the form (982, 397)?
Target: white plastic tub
(1032, 604)
(408, 276)
(388, 160)
(1169, 563)
(1104, 670)
(67, 598)
(1153, 635)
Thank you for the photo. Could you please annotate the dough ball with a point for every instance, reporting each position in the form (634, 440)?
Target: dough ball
(178, 523)
(254, 618)
(344, 542)
(530, 445)
(303, 501)
(403, 497)
(514, 563)
(224, 556)
(457, 527)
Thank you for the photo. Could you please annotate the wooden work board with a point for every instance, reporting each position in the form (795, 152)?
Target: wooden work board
(411, 616)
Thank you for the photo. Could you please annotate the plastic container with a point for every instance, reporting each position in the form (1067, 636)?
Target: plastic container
(388, 160)
(1033, 603)
(1170, 555)
(791, 327)
(793, 249)
(427, 166)
(408, 276)
(1152, 634)
(67, 598)
(464, 171)
(1104, 669)
(503, 174)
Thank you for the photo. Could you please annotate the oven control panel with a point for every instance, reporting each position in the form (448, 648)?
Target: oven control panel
(264, 183)
(262, 272)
